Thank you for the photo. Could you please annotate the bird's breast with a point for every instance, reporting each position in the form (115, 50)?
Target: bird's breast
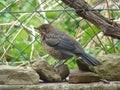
(54, 52)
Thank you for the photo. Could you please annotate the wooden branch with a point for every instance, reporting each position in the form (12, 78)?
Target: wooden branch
(83, 9)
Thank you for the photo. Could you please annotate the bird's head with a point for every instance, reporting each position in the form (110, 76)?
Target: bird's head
(45, 28)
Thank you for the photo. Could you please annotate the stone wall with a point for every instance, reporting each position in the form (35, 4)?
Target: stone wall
(103, 77)
(64, 86)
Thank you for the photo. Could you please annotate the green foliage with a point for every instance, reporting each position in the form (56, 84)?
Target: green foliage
(52, 15)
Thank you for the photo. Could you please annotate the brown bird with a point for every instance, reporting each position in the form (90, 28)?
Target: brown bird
(61, 46)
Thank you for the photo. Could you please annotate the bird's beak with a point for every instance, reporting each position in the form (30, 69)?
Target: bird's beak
(36, 27)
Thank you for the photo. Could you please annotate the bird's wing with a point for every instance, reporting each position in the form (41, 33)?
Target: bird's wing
(63, 43)
(52, 41)
(66, 45)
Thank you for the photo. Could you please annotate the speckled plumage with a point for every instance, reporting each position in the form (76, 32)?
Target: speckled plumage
(61, 46)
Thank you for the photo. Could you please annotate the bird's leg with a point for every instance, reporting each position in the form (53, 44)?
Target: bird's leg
(59, 63)
(56, 63)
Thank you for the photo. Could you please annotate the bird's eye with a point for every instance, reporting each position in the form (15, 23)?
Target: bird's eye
(45, 28)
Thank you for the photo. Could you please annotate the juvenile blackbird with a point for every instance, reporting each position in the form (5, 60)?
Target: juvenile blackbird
(61, 46)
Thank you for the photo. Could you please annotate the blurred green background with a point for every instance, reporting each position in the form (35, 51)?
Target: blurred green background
(20, 43)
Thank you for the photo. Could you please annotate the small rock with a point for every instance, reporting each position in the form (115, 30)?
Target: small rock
(14, 75)
(110, 68)
(83, 77)
(63, 71)
(46, 71)
(84, 66)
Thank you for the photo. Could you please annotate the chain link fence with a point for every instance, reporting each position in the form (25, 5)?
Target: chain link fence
(20, 43)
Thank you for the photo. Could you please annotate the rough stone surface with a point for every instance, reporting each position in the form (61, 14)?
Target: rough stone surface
(64, 86)
(77, 76)
(110, 68)
(14, 75)
(84, 66)
(63, 71)
(46, 71)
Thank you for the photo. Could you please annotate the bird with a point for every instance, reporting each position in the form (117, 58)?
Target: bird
(62, 46)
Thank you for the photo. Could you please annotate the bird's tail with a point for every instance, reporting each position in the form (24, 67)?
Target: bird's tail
(90, 60)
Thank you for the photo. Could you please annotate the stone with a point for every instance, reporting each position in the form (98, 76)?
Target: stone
(110, 68)
(84, 66)
(46, 72)
(63, 71)
(77, 76)
(64, 86)
(17, 75)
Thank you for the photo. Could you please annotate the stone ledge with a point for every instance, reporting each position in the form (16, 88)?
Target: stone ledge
(64, 86)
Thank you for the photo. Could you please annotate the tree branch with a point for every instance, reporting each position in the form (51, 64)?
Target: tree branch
(83, 9)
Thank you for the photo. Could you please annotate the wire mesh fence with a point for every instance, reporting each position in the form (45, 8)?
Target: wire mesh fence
(20, 43)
